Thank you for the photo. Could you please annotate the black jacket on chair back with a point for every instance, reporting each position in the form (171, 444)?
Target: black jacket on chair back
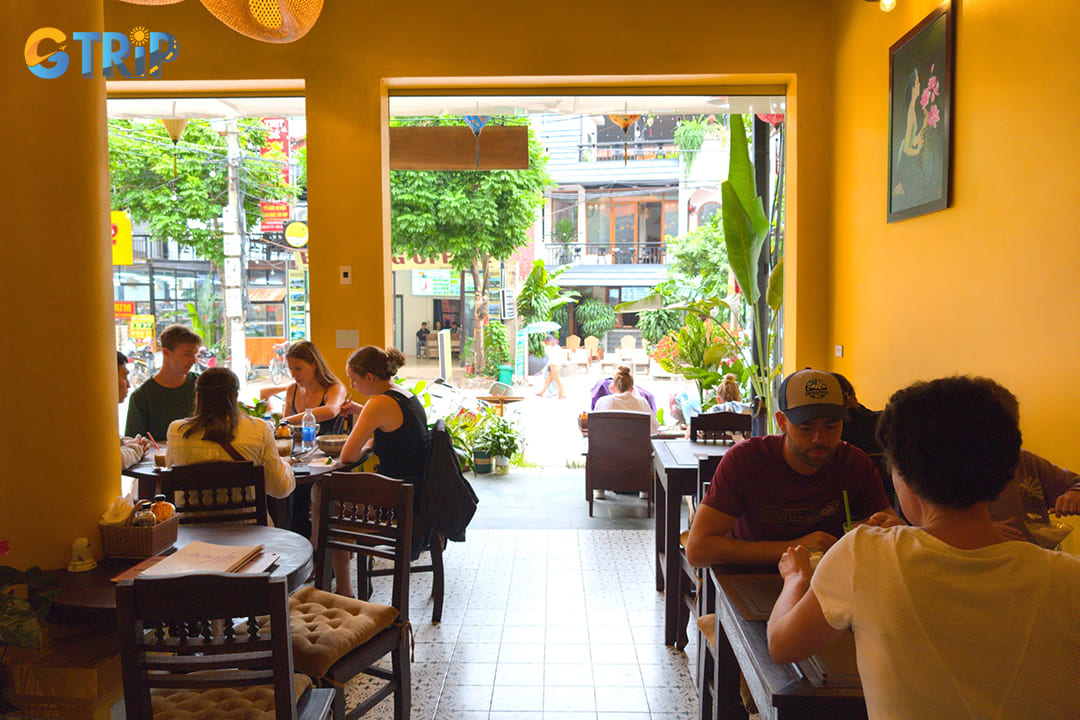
(447, 501)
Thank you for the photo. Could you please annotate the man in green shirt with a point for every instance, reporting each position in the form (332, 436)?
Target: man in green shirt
(170, 394)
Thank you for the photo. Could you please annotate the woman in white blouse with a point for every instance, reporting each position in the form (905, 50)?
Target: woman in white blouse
(623, 397)
(219, 431)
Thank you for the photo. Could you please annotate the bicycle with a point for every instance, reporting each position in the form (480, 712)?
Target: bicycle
(279, 370)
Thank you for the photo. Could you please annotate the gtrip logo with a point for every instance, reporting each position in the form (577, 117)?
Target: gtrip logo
(46, 57)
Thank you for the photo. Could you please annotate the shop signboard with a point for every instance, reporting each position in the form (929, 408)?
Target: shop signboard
(521, 353)
(123, 309)
(120, 229)
(509, 304)
(141, 327)
(274, 215)
(296, 305)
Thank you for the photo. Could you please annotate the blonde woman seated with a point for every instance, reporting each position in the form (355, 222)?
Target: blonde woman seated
(219, 431)
(623, 397)
(729, 397)
(951, 620)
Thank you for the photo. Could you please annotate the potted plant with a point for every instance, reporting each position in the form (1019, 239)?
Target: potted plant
(25, 598)
(498, 437)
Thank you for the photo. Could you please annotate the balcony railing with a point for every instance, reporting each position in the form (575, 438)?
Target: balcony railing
(632, 150)
(575, 253)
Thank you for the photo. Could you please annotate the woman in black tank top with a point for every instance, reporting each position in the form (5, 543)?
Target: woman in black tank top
(392, 424)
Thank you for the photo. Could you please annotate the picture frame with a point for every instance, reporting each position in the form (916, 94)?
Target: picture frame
(920, 117)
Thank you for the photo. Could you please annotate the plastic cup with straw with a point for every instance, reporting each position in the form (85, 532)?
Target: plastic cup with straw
(847, 513)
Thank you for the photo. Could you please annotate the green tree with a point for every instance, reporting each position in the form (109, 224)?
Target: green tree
(475, 215)
(700, 256)
(177, 190)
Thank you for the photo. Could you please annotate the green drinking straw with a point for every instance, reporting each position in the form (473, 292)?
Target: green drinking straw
(847, 510)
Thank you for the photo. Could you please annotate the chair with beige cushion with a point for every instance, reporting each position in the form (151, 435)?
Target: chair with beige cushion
(184, 656)
(336, 638)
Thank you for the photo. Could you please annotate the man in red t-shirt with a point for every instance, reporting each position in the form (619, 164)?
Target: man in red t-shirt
(772, 492)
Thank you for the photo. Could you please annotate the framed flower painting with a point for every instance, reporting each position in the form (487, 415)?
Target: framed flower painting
(920, 117)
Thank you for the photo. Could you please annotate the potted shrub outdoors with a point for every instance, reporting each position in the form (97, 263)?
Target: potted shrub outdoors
(498, 437)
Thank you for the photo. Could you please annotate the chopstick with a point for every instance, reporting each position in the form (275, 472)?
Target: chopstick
(156, 446)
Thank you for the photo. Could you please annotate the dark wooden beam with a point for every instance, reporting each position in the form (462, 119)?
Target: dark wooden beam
(454, 148)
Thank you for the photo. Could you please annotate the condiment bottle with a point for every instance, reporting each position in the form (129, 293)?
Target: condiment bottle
(143, 515)
(162, 508)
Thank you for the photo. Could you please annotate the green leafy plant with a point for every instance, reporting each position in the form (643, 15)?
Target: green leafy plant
(746, 229)
(594, 317)
(25, 598)
(703, 350)
(257, 408)
(497, 436)
(498, 348)
(655, 324)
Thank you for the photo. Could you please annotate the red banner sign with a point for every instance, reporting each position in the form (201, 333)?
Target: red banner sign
(123, 309)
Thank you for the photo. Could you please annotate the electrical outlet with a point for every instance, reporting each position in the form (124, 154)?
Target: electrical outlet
(346, 274)
(839, 351)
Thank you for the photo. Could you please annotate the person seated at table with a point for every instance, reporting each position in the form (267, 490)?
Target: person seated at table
(131, 449)
(314, 388)
(170, 393)
(950, 619)
(219, 431)
(1038, 486)
(771, 492)
(860, 428)
(603, 387)
(729, 397)
(392, 424)
(625, 397)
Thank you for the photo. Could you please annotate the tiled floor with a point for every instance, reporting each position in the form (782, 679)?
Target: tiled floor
(553, 623)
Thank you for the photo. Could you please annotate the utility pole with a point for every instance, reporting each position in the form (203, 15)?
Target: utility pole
(233, 281)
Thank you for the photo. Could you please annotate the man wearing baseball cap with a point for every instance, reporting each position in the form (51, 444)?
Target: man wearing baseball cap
(772, 492)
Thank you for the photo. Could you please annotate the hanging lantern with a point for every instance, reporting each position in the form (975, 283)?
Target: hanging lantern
(624, 121)
(175, 128)
(774, 119)
(273, 21)
(476, 123)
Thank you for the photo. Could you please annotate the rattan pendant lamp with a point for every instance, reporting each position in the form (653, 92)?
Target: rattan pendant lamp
(273, 21)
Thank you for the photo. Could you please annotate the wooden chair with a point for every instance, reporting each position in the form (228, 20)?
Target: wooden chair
(628, 342)
(182, 651)
(581, 357)
(619, 457)
(592, 344)
(692, 580)
(215, 492)
(718, 427)
(573, 342)
(336, 638)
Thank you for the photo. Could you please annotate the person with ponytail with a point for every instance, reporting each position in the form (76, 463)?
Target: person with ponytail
(392, 424)
(623, 397)
(219, 431)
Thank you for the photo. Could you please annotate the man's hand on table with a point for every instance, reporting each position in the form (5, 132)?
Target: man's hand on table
(882, 519)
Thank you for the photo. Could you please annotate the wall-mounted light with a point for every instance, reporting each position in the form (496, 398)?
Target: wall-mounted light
(886, 5)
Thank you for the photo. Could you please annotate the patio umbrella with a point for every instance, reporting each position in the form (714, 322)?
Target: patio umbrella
(544, 326)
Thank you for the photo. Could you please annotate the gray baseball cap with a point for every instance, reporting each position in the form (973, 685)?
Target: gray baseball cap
(807, 395)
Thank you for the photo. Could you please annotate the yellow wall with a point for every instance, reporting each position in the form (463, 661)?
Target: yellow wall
(990, 285)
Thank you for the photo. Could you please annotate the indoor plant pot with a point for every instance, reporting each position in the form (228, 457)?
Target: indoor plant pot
(502, 465)
(481, 461)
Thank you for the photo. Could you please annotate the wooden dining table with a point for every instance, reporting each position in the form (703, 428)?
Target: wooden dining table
(675, 470)
(826, 685)
(89, 598)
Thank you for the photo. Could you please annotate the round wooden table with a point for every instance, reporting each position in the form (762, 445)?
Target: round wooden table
(90, 597)
(500, 401)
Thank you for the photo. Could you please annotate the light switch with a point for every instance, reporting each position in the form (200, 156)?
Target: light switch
(839, 351)
(346, 274)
